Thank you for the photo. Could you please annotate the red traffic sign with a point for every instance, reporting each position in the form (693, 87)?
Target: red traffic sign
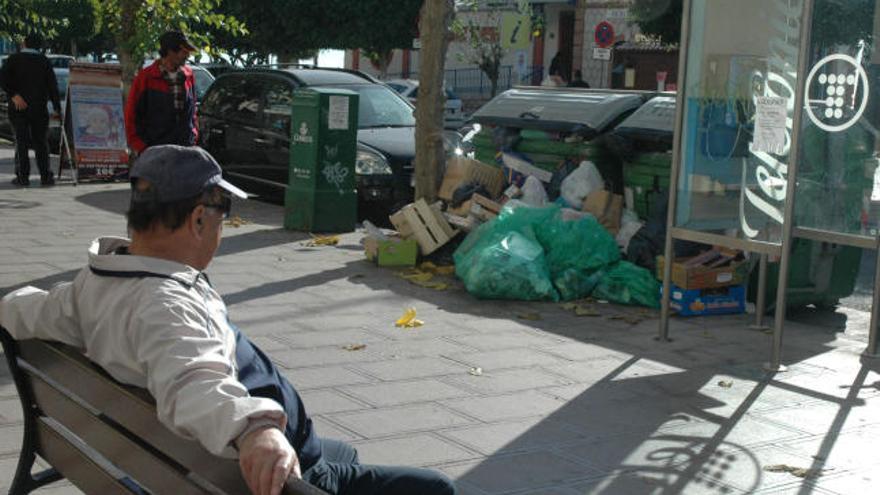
(604, 34)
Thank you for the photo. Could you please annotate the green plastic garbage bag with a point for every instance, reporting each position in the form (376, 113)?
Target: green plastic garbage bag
(575, 249)
(626, 283)
(500, 263)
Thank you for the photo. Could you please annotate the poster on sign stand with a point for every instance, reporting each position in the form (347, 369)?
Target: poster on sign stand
(93, 141)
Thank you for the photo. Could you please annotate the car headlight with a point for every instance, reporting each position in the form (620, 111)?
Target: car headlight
(371, 163)
(452, 144)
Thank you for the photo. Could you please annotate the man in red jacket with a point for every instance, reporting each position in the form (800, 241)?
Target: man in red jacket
(161, 106)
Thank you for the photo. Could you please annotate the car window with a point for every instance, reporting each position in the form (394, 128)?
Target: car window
(203, 80)
(279, 96)
(381, 107)
(235, 98)
(61, 78)
(415, 93)
(400, 88)
(450, 95)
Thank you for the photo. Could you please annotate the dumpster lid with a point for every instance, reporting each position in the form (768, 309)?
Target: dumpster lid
(560, 110)
(658, 114)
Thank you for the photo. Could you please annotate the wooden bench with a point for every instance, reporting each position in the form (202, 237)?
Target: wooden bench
(104, 436)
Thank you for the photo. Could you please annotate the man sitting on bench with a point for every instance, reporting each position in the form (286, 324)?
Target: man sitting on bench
(145, 311)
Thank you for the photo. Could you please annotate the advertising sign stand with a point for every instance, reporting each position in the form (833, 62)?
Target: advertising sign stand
(93, 139)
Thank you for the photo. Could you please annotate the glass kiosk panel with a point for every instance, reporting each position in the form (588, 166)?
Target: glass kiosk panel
(838, 181)
(742, 64)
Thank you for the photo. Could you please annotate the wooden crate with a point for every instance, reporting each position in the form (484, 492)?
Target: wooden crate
(426, 224)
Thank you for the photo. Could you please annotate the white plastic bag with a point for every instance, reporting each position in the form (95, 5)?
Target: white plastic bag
(580, 183)
(629, 225)
(533, 192)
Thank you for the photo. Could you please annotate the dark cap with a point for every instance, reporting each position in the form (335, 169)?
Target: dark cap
(177, 173)
(174, 40)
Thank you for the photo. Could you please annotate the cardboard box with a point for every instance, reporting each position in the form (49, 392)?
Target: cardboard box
(484, 208)
(462, 210)
(461, 170)
(700, 276)
(704, 302)
(391, 252)
(426, 224)
(606, 207)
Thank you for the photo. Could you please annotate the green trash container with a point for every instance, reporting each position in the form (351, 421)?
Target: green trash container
(645, 177)
(321, 195)
(821, 274)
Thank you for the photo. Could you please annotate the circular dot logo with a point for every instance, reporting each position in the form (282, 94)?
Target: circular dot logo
(836, 92)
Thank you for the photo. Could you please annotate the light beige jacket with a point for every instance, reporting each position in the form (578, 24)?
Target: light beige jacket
(155, 324)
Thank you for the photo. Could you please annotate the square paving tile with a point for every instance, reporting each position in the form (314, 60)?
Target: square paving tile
(527, 434)
(413, 450)
(391, 421)
(402, 369)
(528, 471)
(511, 406)
(329, 401)
(404, 392)
(500, 381)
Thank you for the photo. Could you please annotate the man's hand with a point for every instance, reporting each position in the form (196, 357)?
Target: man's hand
(267, 459)
(19, 103)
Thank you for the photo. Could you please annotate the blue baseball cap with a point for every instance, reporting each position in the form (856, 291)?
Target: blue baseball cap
(176, 173)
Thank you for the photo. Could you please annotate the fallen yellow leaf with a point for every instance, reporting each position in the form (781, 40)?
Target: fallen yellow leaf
(236, 221)
(408, 320)
(529, 316)
(323, 240)
(585, 311)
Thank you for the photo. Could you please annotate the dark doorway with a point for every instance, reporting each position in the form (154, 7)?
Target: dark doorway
(566, 43)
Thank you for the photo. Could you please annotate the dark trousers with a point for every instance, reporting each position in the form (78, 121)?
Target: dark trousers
(31, 130)
(340, 472)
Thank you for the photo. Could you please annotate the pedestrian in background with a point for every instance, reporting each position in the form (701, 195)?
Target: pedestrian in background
(29, 83)
(578, 81)
(161, 106)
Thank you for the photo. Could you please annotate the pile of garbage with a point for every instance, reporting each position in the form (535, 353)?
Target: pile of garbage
(535, 253)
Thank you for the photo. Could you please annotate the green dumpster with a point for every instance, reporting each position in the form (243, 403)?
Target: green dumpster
(321, 195)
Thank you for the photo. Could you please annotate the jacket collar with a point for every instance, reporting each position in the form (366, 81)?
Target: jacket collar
(102, 260)
(155, 70)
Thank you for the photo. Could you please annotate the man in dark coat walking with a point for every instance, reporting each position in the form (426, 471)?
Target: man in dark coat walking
(29, 83)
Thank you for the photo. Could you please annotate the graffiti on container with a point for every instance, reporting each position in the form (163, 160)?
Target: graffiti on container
(333, 171)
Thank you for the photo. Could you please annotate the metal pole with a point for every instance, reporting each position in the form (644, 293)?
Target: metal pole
(775, 363)
(871, 350)
(668, 252)
(761, 303)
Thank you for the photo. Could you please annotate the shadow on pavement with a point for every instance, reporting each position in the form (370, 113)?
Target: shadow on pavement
(640, 416)
(115, 201)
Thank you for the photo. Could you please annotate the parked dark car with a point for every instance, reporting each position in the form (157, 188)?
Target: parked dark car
(244, 122)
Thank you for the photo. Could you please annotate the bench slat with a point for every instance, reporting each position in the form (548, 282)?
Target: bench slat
(77, 467)
(129, 407)
(134, 409)
(153, 474)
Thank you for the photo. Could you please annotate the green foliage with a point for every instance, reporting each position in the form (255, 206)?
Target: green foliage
(296, 28)
(20, 17)
(661, 18)
(137, 24)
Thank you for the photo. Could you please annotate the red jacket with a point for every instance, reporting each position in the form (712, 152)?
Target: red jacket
(150, 118)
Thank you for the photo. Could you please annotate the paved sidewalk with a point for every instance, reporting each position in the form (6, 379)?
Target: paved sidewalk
(564, 404)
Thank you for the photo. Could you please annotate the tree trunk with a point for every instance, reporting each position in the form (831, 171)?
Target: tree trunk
(434, 24)
(125, 39)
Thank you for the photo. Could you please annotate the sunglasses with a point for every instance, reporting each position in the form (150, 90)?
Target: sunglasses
(224, 206)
